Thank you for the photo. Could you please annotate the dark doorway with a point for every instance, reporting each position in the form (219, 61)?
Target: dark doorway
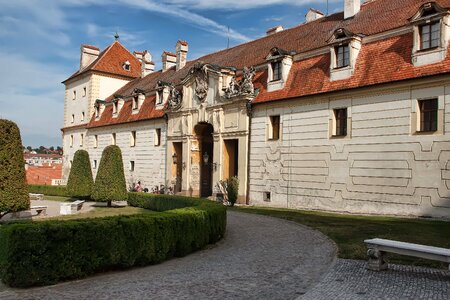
(177, 169)
(204, 132)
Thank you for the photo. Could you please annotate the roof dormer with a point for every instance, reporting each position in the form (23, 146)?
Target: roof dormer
(279, 64)
(99, 107)
(117, 104)
(431, 34)
(344, 50)
(162, 93)
(137, 100)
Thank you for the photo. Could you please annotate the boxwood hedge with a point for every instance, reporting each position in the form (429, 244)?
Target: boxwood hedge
(50, 190)
(45, 252)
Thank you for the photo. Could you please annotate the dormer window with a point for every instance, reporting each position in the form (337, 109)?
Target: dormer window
(115, 107)
(430, 36)
(344, 50)
(342, 56)
(127, 66)
(279, 66)
(97, 111)
(135, 102)
(276, 69)
(159, 97)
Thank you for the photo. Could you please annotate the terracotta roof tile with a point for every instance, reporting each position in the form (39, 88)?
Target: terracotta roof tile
(111, 61)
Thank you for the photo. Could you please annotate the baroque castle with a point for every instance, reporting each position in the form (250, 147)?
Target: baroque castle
(348, 112)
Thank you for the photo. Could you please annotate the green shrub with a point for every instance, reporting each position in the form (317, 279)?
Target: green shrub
(45, 252)
(49, 190)
(13, 187)
(110, 182)
(80, 182)
(232, 189)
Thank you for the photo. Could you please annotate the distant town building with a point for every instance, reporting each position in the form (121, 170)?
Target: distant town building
(35, 159)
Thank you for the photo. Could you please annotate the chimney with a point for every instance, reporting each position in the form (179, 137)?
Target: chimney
(88, 55)
(351, 8)
(274, 30)
(168, 60)
(313, 14)
(147, 65)
(181, 50)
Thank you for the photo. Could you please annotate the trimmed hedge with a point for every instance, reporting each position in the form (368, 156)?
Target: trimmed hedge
(13, 187)
(45, 252)
(80, 181)
(110, 184)
(50, 190)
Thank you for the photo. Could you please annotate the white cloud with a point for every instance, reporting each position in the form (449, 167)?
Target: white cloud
(238, 4)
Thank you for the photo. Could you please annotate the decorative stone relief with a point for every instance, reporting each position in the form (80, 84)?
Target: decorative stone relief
(200, 71)
(244, 87)
(174, 98)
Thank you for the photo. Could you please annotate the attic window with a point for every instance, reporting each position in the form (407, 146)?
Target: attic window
(276, 71)
(342, 56)
(97, 111)
(135, 102)
(159, 97)
(430, 35)
(115, 107)
(127, 66)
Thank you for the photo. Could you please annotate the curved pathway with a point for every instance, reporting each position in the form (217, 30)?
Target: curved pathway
(259, 258)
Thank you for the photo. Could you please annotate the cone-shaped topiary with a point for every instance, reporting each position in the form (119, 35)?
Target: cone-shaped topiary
(13, 186)
(80, 180)
(110, 181)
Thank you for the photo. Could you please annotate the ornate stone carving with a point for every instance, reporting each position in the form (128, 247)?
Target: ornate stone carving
(200, 70)
(244, 87)
(174, 98)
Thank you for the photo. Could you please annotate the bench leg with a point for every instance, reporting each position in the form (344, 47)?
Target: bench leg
(376, 260)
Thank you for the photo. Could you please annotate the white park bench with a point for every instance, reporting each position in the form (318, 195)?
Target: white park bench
(40, 209)
(376, 249)
(37, 196)
(69, 208)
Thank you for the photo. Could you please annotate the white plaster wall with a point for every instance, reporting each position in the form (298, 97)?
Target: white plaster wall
(79, 104)
(149, 159)
(383, 168)
(69, 151)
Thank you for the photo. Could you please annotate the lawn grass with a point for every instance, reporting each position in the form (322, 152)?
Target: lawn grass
(350, 231)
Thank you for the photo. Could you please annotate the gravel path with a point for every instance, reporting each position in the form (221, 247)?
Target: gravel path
(259, 258)
(349, 279)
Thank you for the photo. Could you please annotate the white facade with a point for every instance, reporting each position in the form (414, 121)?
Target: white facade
(383, 166)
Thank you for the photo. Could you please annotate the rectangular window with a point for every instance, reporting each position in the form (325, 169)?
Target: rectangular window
(157, 136)
(428, 115)
(266, 196)
(82, 116)
(97, 111)
(274, 128)
(430, 35)
(94, 164)
(81, 140)
(342, 56)
(135, 102)
(72, 119)
(113, 138)
(159, 97)
(95, 141)
(133, 139)
(340, 119)
(276, 71)
(71, 140)
(74, 95)
(115, 107)
(131, 165)
(84, 91)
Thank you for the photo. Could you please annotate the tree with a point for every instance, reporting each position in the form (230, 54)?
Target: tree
(110, 182)
(52, 148)
(13, 187)
(80, 181)
(29, 148)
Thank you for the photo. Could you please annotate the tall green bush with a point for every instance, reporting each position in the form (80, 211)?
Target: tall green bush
(232, 189)
(80, 180)
(13, 187)
(110, 182)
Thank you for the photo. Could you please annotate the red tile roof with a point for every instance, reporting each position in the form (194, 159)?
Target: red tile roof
(311, 75)
(146, 112)
(44, 174)
(111, 61)
(90, 47)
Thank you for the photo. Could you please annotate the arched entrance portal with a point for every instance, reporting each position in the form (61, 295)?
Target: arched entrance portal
(204, 135)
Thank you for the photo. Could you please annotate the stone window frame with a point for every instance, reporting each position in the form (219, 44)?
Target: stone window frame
(284, 60)
(271, 137)
(132, 165)
(416, 116)
(343, 38)
(333, 107)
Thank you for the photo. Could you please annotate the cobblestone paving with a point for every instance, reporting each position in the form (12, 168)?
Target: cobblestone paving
(260, 258)
(349, 279)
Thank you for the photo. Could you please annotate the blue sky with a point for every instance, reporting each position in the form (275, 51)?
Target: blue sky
(40, 40)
